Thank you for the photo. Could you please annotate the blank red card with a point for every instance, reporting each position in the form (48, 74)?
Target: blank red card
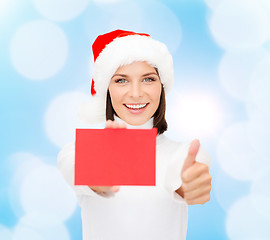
(107, 157)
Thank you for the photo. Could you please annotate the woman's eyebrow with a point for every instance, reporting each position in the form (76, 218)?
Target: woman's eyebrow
(120, 75)
(150, 73)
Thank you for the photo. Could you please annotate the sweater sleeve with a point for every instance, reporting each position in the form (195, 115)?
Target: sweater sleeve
(173, 179)
(66, 165)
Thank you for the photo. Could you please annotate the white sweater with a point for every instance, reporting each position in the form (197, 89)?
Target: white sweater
(136, 212)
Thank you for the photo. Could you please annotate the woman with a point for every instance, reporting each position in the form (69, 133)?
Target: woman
(132, 74)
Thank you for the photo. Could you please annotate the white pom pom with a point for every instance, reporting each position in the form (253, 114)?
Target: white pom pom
(93, 111)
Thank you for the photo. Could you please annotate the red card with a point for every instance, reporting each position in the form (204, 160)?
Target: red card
(107, 157)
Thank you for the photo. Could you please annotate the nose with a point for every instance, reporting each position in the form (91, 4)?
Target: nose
(136, 90)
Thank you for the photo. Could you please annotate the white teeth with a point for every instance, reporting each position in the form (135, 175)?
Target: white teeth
(137, 106)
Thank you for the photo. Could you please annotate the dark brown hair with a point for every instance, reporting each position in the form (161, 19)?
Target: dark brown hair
(159, 116)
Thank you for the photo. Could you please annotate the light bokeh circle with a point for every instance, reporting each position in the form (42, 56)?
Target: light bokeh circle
(194, 114)
(164, 27)
(107, 1)
(22, 163)
(40, 219)
(235, 69)
(259, 135)
(23, 232)
(54, 232)
(266, 5)
(243, 222)
(5, 233)
(240, 24)
(267, 45)
(44, 192)
(111, 17)
(39, 49)
(5, 6)
(61, 118)
(61, 10)
(260, 85)
(135, 16)
(260, 193)
(236, 155)
(212, 4)
(226, 189)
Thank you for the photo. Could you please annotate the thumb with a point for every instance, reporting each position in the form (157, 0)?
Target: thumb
(192, 153)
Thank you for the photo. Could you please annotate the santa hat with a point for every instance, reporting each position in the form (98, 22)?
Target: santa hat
(118, 48)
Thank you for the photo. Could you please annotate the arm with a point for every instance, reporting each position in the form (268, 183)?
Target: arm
(66, 165)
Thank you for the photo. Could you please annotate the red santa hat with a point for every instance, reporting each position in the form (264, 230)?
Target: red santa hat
(118, 48)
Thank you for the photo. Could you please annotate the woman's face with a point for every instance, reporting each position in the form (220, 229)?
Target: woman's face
(135, 91)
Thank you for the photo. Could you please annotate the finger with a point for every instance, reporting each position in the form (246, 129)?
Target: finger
(114, 124)
(115, 188)
(203, 180)
(194, 171)
(99, 189)
(197, 193)
(200, 200)
(192, 153)
(104, 189)
(122, 125)
(109, 124)
(119, 125)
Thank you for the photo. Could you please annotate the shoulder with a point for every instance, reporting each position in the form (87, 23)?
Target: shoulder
(180, 149)
(168, 145)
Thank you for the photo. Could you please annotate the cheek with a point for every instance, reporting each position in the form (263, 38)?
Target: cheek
(116, 98)
(156, 95)
(113, 94)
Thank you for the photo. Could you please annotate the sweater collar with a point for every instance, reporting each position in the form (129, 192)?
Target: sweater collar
(148, 125)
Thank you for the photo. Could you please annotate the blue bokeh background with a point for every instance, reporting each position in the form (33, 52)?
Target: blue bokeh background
(207, 38)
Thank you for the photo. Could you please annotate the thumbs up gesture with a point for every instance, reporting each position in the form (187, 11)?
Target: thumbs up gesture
(196, 180)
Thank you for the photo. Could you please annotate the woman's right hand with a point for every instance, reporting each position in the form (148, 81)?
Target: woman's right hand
(109, 189)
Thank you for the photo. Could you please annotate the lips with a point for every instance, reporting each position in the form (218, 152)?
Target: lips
(136, 106)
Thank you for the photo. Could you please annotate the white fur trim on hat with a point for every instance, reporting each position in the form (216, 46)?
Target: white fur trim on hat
(125, 50)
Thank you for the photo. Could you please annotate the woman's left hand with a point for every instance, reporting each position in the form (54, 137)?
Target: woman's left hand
(196, 179)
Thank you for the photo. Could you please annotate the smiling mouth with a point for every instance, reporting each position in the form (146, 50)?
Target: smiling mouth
(136, 106)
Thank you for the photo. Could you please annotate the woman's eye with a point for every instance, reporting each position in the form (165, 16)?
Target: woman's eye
(149, 79)
(121, 80)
